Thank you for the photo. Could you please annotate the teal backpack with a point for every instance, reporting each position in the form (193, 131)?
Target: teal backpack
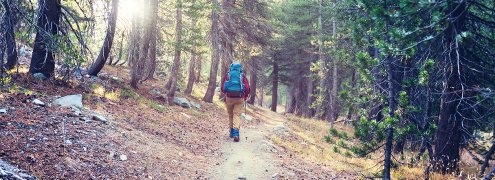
(234, 86)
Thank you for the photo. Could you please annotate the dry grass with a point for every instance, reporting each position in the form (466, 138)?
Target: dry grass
(307, 140)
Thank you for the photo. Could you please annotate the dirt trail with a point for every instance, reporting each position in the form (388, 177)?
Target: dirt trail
(251, 158)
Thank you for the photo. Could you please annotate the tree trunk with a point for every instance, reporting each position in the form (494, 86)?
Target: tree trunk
(227, 38)
(448, 134)
(253, 78)
(198, 65)
(121, 50)
(151, 67)
(138, 66)
(176, 64)
(9, 35)
(133, 54)
(212, 81)
(274, 87)
(321, 57)
(488, 157)
(192, 63)
(108, 42)
(191, 75)
(42, 60)
(262, 97)
(334, 106)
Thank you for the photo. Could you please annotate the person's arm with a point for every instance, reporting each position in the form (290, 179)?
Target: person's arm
(247, 89)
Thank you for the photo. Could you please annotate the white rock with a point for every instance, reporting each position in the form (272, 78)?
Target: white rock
(70, 101)
(123, 157)
(38, 102)
(3, 111)
(99, 118)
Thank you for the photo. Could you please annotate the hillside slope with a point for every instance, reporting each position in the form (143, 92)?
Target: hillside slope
(142, 136)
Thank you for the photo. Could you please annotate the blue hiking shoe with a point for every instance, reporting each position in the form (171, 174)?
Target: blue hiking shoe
(231, 133)
(236, 135)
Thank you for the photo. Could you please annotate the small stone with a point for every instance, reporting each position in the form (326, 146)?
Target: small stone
(40, 76)
(68, 142)
(181, 154)
(100, 118)
(3, 111)
(38, 102)
(274, 175)
(85, 119)
(241, 177)
(123, 157)
(111, 155)
(116, 79)
(31, 139)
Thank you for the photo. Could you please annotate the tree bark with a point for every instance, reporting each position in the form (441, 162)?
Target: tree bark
(198, 69)
(108, 42)
(10, 35)
(323, 91)
(178, 49)
(448, 134)
(133, 53)
(253, 78)
(212, 81)
(151, 67)
(261, 99)
(138, 66)
(274, 87)
(42, 60)
(192, 62)
(488, 157)
(227, 38)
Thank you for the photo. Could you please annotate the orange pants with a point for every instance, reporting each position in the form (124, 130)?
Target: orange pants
(234, 108)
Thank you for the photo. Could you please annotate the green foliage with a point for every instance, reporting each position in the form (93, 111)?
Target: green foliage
(127, 92)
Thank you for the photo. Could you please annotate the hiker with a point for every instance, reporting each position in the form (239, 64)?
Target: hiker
(235, 87)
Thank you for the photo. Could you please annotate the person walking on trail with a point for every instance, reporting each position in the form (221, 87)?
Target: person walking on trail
(235, 86)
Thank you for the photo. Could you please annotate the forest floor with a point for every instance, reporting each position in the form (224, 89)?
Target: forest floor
(145, 138)
(142, 137)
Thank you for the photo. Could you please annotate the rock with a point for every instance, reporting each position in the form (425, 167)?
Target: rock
(274, 176)
(156, 92)
(116, 79)
(123, 157)
(241, 177)
(196, 105)
(3, 111)
(246, 117)
(100, 118)
(10, 172)
(68, 142)
(269, 147)
(183, 102)
(281, 130)
(38, 102)
(111, 155)
(76, 112)
(85, 119)
(217, 89)
(70, 101)
(40, 76)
